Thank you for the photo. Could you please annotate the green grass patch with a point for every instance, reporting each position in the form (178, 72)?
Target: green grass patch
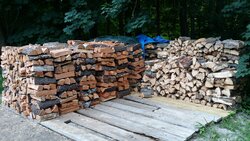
(207, 130)
(235, 127)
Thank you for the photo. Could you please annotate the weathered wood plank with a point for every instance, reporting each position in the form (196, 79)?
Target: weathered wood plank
(147, 122)
(218, 113)
(135, 104)
(78, 134)
(103, 128)
(140, 100)
(166, 117)
(200, 117)
(129, 125)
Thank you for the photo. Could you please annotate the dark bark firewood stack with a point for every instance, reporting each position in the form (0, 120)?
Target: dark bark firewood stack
(65, 79)
(121, 61)
(41, 85)
(42, 82)
(85, 75)
(200, 71)
(136, 66)
(106, 70)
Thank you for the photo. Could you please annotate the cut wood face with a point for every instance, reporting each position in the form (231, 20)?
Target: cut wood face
(200, 71)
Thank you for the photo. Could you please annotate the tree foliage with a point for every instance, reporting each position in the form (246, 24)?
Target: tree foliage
(78, 18)
(240, 10)
(27, 21)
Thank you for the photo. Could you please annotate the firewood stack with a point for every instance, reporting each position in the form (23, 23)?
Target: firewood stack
(85, 74)
(146, 88)
(41, 87)
(201, 71)
(121, 62)
(136, 66)
(106, 70)
(65, 79)
(15, 86)
(42, 82)
(152, 50)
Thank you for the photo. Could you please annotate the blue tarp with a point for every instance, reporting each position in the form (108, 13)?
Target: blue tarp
(143, 40)
(123, 39)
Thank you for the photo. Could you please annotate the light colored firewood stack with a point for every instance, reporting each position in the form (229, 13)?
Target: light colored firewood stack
(121, 61)
(41, 87)
(148, 79)
(106, 70)
(136, 66)
(65, 79)
(153, 49)
(201, 71)
(15, 86)
(85, 74)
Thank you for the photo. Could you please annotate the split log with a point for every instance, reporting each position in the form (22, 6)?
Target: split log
(42, 81)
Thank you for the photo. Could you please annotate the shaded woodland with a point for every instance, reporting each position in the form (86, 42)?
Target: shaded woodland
(27, 21)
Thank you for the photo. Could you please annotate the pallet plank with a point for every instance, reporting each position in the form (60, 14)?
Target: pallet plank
(200, 117)
(70, 131)
(103, 128)
(135, 104)
(129, 125)
(166, 117)
(148, 122)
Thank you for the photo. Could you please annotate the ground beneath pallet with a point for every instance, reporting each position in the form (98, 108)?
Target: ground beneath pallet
(13, 127)
(133, 118)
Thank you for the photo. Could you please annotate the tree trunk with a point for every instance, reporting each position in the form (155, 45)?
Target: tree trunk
(108, 26)
(94, 31)
(192, 20)
(121, 23)
(158, 17)
(183, 18)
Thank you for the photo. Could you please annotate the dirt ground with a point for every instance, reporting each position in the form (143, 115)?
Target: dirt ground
(13, 127)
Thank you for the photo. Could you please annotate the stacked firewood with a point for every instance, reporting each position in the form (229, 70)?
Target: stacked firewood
(85, 73)
(104, 54)
(146, 90)
(42, 82)
(201, 71)
(136, 66)
(65, 79)
(14, 93)
(38, 68)
(152, 50)
(121, 61)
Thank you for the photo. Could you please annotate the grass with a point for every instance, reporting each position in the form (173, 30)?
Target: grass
(240, 125)
(204, 131)
(236, 127)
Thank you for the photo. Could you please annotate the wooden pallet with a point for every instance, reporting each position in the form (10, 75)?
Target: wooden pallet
(131, 119)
